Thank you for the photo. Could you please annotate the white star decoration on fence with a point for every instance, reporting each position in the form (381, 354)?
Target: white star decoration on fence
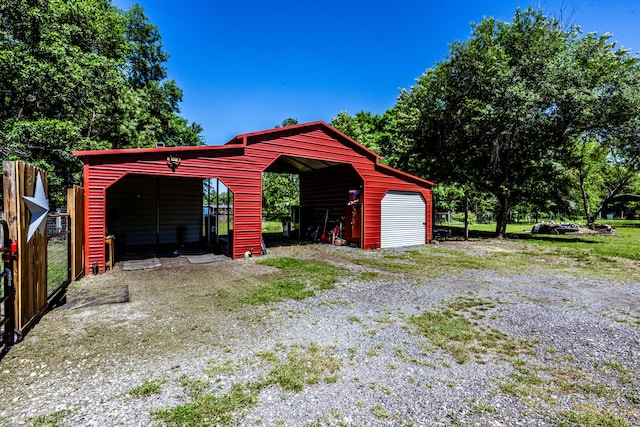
(38, 205)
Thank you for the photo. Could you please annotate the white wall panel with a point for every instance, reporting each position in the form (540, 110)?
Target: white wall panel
(402, 219)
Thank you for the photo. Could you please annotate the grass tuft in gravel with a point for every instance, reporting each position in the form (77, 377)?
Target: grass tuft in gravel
(194, 388)
(590, 416)
(296, 279)
(450, 330)
(146, 389)
(317, 274)
(566, 379)
(54, 419)
(305, 365)
(216, 368)
(523, 382)
(277, 291)
(210, 409)
(633, 397)
(436, 261)
(301, 366)
(379, 411)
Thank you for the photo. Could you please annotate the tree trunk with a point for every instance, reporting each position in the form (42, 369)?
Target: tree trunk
(503, 216)
(591, 218)
(612, 193)
(585, 200)
(466, 218)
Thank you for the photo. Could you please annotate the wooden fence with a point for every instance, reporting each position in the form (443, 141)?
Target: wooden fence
(75, 207)
(42, 241)
(25, 207)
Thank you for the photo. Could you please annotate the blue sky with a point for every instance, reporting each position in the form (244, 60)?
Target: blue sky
(246, 65)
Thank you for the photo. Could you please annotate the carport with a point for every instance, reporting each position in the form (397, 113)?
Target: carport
(154, 195)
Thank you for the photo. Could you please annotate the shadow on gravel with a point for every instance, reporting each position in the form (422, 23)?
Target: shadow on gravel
(458, 232)
(96, 297)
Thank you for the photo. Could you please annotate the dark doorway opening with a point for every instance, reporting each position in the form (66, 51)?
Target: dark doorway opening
(326, 204)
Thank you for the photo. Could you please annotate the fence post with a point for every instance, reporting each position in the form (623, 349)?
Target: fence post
(7, 319)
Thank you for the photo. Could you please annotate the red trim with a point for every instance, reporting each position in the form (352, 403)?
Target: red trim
(157, 150)
(245, 136)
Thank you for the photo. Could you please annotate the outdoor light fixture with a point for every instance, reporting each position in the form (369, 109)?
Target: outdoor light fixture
(173, 162)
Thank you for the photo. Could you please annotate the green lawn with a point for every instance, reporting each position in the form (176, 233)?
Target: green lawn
(57, 265)
(272, 226)
(624, 243)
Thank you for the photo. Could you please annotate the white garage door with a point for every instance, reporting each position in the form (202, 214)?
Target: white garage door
(403, 220)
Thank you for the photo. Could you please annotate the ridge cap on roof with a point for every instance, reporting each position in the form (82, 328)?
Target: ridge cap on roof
(244, 137)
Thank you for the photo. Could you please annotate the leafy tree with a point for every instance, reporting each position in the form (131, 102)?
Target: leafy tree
(503, 113)
(371, 130)
(288, 122)
(601, 106)
(280, 191)
(81, 74)
(145, 57)
(448, 197)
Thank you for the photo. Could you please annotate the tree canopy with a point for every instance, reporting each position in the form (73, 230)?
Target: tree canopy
(82, 74)
(371, 130)
(280, 191)
(506, 110)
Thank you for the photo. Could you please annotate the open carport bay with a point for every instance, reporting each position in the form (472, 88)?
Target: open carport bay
(536, 346)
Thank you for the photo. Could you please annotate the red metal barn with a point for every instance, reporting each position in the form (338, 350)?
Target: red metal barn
(140, 194)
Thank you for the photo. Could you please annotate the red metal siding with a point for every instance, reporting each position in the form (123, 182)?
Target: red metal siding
(239, 165)
(318, 143)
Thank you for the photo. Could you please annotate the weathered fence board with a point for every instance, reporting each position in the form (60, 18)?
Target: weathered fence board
(75, 207)
(30, 268)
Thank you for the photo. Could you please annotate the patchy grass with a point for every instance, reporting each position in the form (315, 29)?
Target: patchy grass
(216, 368)
(625, 243)
(146, 389)
(315, 273)
(57, 265)
(193, 388)
(450, 330)
(296, 279)
(385, 263)
(300, 366)
(368, 276)
(586, 415)
(210, 409)
(304, 366)
(449, 260)
(480, 406)
(54, 419)
(613, 256)
(437, 261)
(379, 411)
(277, 291)
(522, 382)
(595, 402)
(633, 397)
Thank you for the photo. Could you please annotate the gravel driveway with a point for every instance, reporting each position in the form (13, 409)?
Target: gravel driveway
(556, 344)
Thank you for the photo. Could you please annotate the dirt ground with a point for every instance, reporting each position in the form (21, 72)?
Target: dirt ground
(180, 311)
